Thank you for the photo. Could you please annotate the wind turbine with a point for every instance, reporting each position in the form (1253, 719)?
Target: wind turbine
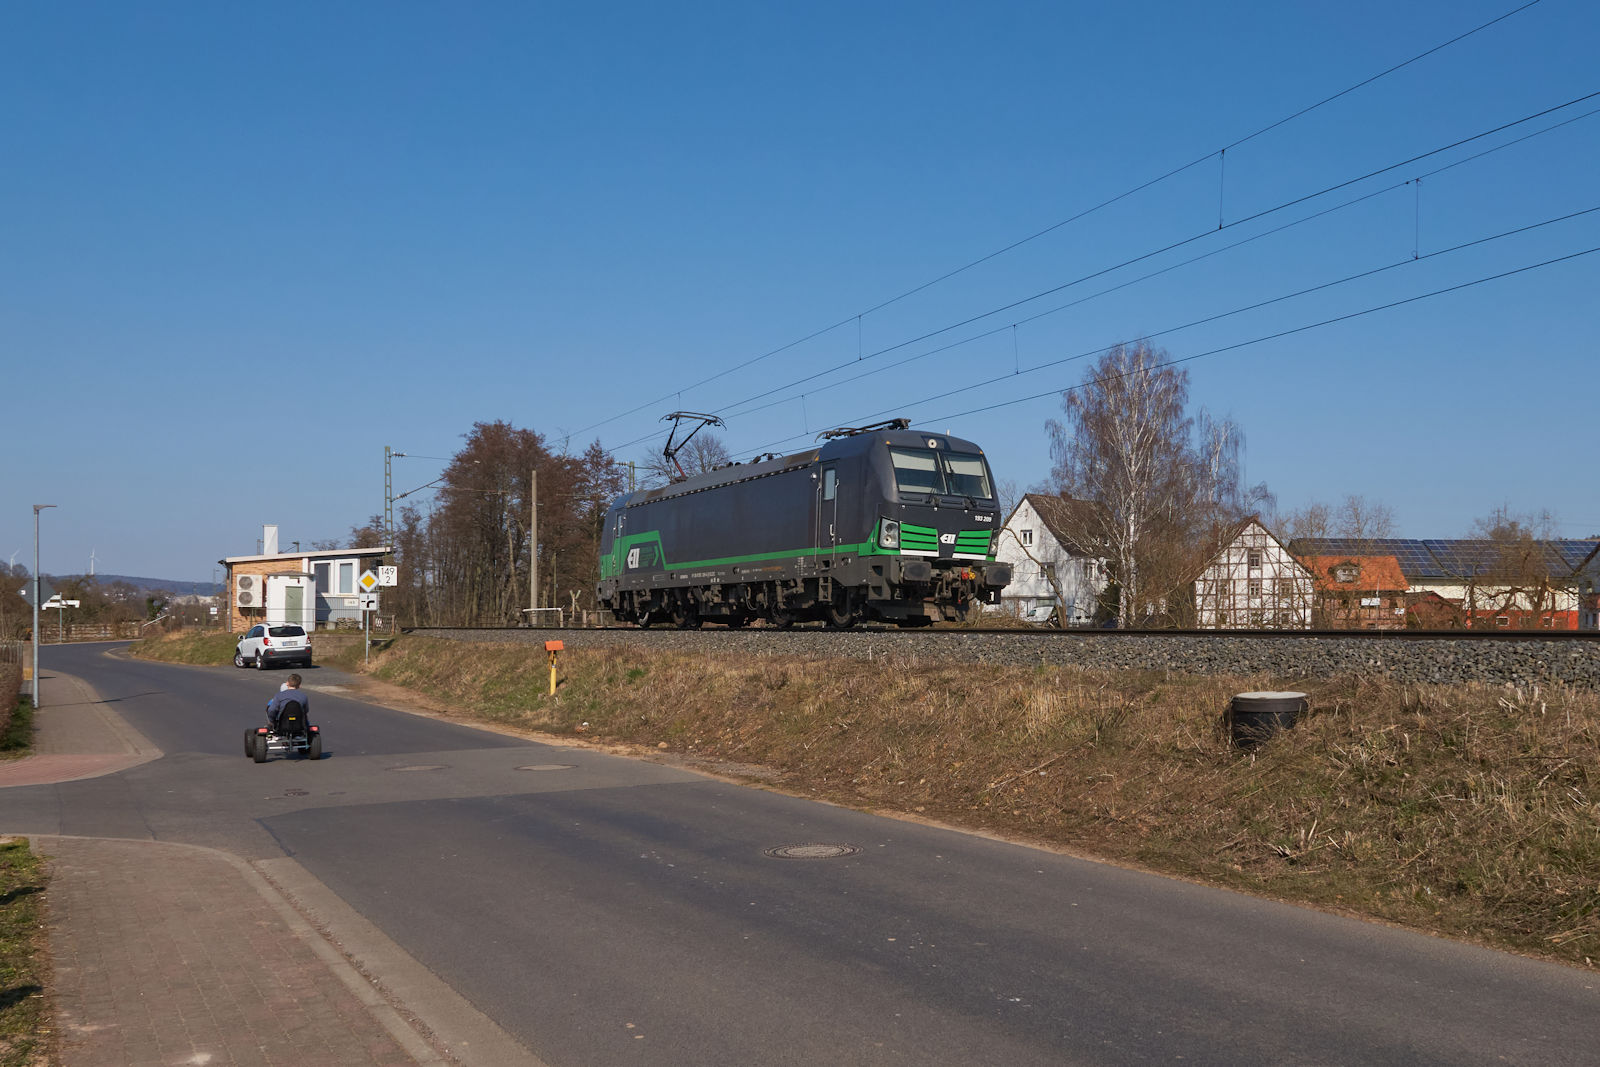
(91, 563)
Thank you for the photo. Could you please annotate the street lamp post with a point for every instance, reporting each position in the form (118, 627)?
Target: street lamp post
(36, 509)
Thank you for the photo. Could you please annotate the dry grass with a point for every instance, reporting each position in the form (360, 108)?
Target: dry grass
(25, 1032)
(215, 647)
(200, 647)
(1470, 812)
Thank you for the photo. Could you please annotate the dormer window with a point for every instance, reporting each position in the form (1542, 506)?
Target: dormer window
(1346, 572)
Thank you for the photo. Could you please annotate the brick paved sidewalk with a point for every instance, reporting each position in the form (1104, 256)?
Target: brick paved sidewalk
(173, 954)
(76, 736)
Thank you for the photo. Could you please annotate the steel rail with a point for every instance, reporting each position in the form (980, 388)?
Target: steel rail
(1053, 634)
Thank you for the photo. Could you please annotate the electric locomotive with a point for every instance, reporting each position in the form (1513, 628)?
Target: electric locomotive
(877, 522)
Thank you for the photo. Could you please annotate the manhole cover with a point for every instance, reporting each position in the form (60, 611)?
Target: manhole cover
(297, 792)
(547, 767)
(810, 852)
(420, 767)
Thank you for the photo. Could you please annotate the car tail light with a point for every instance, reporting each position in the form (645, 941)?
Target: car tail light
(266, 641)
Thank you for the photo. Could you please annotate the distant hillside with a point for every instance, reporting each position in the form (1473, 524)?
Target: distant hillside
(150, 585)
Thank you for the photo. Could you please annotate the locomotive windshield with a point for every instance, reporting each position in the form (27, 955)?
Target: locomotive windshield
(921, 470)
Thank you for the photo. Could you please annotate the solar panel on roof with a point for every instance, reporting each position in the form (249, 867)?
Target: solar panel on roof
(1448, 558)
(1575, 553)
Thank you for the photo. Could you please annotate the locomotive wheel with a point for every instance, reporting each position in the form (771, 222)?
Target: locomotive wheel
(685, 617)
(782, 620)
(839, 614)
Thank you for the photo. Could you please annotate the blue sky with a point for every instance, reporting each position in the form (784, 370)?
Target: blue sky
(242, 249)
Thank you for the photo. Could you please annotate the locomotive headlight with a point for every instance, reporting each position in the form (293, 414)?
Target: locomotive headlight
(889, 534)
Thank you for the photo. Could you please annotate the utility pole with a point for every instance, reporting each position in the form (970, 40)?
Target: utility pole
(36, 509)
(533, 547)
(388, 502)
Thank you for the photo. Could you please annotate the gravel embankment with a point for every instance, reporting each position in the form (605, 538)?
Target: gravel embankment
(1438, 660)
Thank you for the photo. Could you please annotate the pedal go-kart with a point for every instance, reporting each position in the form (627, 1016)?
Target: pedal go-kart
(293, 735)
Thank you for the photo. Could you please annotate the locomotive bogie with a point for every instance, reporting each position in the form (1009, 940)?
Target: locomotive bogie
(895, 525)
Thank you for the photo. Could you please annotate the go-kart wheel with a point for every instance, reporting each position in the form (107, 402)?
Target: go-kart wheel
(238, 659)
(249, 742)
(314, 749)
(258, 750)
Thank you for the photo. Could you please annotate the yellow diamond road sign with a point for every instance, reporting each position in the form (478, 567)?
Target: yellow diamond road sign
(368, 581)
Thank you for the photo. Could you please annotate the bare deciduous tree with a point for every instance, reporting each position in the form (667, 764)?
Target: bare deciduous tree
(703, 452)
(1522, 576)
(468, 559)
(1163, 493)
(1364, 520)
(1355, 517)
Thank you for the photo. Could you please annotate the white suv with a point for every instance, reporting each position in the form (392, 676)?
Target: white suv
(266, 645)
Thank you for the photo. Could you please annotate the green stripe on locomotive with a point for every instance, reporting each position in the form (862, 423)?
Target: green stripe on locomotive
(914, 540)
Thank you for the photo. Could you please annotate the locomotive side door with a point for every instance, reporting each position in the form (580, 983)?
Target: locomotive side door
(827, 512)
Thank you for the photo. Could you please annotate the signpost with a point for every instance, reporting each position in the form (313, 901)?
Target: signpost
(368, 602)
(61, 606)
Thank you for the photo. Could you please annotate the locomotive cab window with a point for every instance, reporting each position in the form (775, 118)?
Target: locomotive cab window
(916, 470)
(920, 470)
(966, 476)
(830, 483)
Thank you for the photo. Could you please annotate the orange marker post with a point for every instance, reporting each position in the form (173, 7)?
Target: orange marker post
(553, 647)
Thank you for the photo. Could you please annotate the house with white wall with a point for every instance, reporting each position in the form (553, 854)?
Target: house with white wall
(1253, 583)
(1050, 577)
(312, 588)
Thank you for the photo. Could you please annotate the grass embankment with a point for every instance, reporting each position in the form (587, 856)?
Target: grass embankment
(25, 1039)
(215, 648)
(1466, 811)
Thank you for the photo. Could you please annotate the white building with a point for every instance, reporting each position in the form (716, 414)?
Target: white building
(1049, 578)
(1253, 583)
(311, 588)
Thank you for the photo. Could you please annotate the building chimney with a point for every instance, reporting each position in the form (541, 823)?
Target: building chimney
(269, 540)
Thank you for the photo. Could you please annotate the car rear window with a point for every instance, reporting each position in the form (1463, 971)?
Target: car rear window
(286, 631)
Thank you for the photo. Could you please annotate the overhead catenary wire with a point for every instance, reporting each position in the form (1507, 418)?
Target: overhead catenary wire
(1134, 191)
(1208, 232)
(1209, 352)
(1206, 320)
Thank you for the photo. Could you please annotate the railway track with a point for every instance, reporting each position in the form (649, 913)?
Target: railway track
(1046, 633)
(1516, 658)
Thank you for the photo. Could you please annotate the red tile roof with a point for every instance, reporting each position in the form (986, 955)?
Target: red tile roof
(1376, 573)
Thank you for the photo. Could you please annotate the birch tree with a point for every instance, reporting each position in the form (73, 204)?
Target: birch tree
(1166, 487)
(1124, 445)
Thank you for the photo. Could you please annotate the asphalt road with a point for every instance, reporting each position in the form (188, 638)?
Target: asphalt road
(611, 911)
